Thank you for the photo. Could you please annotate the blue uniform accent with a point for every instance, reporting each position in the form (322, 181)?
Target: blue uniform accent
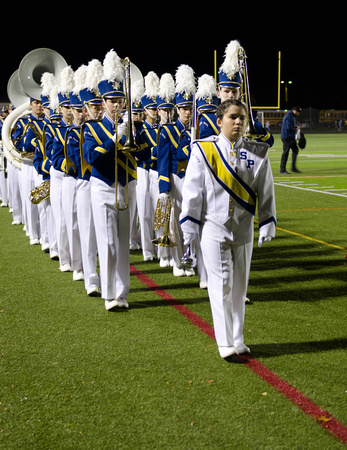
(74, 152)
(208, 125)
(59, 150)
(169, 141)
(17, 136)
(99, 152)
(41, 164)
(30, 139)
(149, 134)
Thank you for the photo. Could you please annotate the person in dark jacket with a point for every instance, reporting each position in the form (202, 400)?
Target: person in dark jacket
(288, 132)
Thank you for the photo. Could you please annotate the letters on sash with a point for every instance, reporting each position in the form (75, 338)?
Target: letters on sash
(226, 176)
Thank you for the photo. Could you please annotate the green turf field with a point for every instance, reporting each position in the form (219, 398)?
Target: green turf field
(75, 376)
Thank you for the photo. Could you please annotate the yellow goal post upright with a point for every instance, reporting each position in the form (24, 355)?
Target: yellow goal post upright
(276, 107)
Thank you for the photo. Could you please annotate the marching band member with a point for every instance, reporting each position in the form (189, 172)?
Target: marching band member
(57, 173)
(206, 125)
(55, 118)
(171, 171)
(166, 109)
(137, 90)
(28, 172)
(110, 215)
(146, 170)
(229, 77)
(226, 175)
(18, 205)
(69, 189)
(15, 184)
(37, 144)
(86, 86)
(4, 191)
(229, 86)
(207, 102)
(42, 166)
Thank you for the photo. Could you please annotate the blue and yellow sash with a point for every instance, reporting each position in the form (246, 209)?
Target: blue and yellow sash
(226, 176)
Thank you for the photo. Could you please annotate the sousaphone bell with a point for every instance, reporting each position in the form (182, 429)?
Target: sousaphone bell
(23, 84)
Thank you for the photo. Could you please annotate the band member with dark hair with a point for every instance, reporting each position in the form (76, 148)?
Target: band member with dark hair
(226, 175)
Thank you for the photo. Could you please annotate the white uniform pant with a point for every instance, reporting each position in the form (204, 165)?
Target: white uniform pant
(31, 211)
(3, 180)
(23, 208)
(228, 267)
(56, 185)
(51, 229)
(145, 211)
(112, 237)
(42, 212)
(175, 227)
(87, 233)
(14, 192)
(134, 238)
(69, 205)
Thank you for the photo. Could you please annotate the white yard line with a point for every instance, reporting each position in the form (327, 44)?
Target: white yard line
(311, 190)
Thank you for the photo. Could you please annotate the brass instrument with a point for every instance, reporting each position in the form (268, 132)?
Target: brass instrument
(162, 219)
(23, 84)
(250, 132)
(38, 136)
(130, 145)
(40, 193)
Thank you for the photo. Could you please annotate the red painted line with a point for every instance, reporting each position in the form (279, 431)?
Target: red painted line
(194, 318)
(322, 417)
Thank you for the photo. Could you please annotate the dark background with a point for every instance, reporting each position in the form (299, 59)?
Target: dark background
(312, 45)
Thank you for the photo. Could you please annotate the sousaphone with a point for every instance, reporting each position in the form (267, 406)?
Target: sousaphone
(23, 84)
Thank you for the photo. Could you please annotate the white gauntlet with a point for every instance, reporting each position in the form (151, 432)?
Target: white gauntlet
(263, 239)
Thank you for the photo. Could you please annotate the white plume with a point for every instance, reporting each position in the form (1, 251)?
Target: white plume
(113, 67)
(53, 98)
(66, 82)
(166, 86)
(151, 85)
(94, 75)
(231, 63)
(185, 80)
(80, 78)
(206, 87)
(137, 91)
(47, 82)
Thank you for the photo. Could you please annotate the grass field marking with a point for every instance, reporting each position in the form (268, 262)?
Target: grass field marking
(310, 209)
(328, 188)
(309, 176)
(311, 190)
(310, 238)
(322, 417)
(194, 318)
(323, 155)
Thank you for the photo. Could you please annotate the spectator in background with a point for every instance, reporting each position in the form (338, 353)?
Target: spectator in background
(288, 133)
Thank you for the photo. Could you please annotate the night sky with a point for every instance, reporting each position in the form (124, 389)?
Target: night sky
(312, 51)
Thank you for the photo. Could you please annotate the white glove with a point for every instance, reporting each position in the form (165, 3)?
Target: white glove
(263, 239)
(188, 238)
(164, 196)
(121, 131)
(125, 118)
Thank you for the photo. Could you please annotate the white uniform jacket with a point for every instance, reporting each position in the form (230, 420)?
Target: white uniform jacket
(226, 190)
